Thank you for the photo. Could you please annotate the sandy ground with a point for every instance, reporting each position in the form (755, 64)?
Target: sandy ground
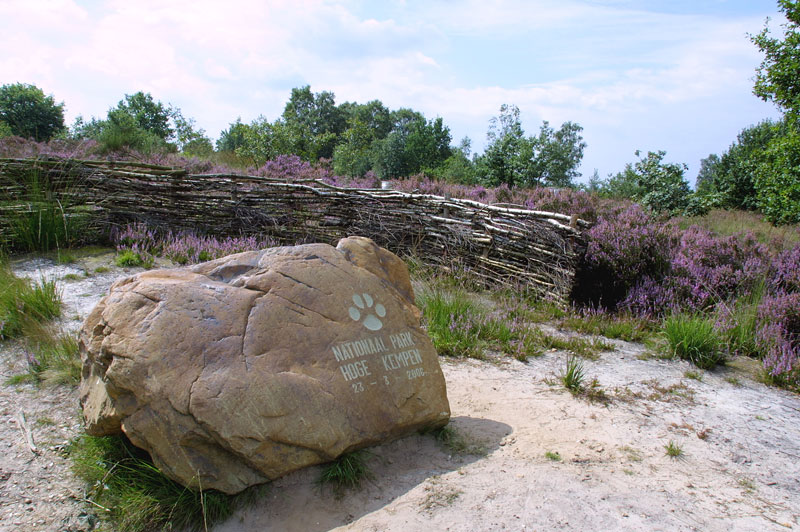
(740, 468)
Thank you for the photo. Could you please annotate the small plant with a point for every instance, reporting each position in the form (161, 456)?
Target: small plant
(694, 375)
(573, 375)
(455, 442)
(71, 277)
(102, 269)
(52, 359)
(673, 449)
(554, 456)
(128, 258)
(346, 472)
(121, 478)
(734, 381)
(22, 301)
(693, 338)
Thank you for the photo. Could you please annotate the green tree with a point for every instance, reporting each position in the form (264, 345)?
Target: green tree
(777, 77)
(150, 115)
(5, 130)
(311, 124)
(232, 138)
(29, 113)
(190, 139)
(414, 145)
(662, 186)
(704, 182)
(777, 179)
(732, 179)
(550, 158)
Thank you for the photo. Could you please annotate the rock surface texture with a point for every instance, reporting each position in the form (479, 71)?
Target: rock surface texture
(239, 370)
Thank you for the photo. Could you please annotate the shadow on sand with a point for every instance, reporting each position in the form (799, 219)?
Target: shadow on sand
(297, 503)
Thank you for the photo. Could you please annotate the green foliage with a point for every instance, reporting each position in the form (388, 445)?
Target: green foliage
(346, 472)
(731, 180)
(147, 114)
(413, 145)
(777, 179)
(440, 308)
(673, 449)
(552, 456)
(28, 113)
(662, 186)
(232, 138)
(53, 359)
(43, 220)
(551, 158)
(776, 77)
(694, 338)
(121, 130)
(573, 375)
(22, 302)
(127, 258)
(123, 479)
(616, 326)
(191, 141)
(5, 130)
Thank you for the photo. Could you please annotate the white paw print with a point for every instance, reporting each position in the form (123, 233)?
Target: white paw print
(364, 302)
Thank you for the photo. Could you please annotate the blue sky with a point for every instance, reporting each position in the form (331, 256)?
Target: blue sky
(673, 75)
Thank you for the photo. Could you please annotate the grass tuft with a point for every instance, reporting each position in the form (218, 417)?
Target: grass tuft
(346, 472)
(573, 375)
(673, 449)
(694, 338)
(553, 456)
(121, 478)
(22, 301)
(455, 442)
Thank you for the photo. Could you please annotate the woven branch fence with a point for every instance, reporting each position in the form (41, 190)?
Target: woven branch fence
(498, 244)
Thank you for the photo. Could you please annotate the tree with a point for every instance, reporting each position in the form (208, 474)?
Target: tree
(311, 123)
(551, 158)
(232, 138)
(777, 77)
(662, 186)
(732, 178)
(555, 155)
(777, 179)
(190, 139)
(704, 183)
(414, 145)
(148, 114)
(29, 113)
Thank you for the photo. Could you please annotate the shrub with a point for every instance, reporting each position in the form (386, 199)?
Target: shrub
(624, 250)
(778, 336)
(693, 338)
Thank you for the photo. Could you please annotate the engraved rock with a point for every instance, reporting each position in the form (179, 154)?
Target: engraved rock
(239, 370)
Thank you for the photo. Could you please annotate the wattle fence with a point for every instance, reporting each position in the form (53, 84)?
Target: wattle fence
(499, 244)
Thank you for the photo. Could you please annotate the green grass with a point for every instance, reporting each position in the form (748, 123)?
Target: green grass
(22, 301)
(102, 269)
(726, 223)
(53, 358)
(573, 375)
(695, 375)
(346, 472)
(553, 456)
(619, 327)
(122, 479)
(673, 449)
(694, 338)
(740, 335)
(130, 259)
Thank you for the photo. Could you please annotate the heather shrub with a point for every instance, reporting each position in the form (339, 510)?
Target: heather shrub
(623, 251)
(189, 248)
(786, 271)
(707, 269)
(778, 337)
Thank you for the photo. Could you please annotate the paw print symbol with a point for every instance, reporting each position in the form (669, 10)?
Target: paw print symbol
(364, 303)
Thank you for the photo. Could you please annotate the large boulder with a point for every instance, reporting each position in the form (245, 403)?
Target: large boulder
(239, 370)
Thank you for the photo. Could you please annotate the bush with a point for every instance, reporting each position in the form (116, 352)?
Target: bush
(693, 338)
(778, 337)
(624, 250)
(777, 180)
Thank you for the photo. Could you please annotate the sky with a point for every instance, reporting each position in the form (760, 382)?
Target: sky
(672, 75)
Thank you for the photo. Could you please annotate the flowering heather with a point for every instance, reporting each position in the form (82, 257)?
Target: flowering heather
(707, 269)
(778, 336)
(137, 236)
(17, 147)
(623, 251)
(786, 271)
(188, 248)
